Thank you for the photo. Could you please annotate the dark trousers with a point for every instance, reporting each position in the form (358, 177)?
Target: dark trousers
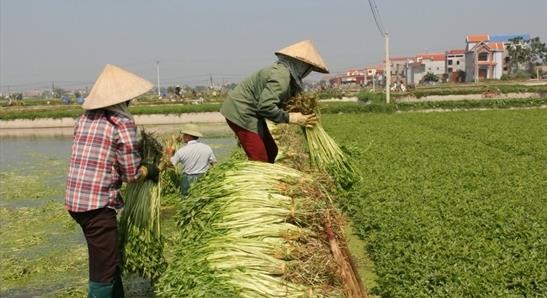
(259, 147)
(186, 181)
(101, 233)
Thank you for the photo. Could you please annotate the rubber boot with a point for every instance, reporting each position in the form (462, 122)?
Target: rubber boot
(117, 290)
(100, 290)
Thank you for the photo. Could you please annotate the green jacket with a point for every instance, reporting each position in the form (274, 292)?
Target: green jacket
(259, 97)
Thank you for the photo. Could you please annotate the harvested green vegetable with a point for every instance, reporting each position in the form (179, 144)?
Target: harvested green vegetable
(170, 176)
(325, 154)
(140, 219)
(251, 229)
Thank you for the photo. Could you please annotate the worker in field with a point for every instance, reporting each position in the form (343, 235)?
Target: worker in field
(104, 154)
(260, 96)
(196, 157)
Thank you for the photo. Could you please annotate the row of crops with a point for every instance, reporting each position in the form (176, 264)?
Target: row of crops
(452, 204)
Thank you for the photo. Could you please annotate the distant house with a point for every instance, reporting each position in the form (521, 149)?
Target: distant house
(455, 64)
(375, 72)
(486, 55)
(350, 77)
(425, 63)
(399, 67)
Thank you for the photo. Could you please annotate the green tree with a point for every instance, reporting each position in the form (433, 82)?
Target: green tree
(518, 52)
(171, 90)
(521, 52)
(430, 77)
(538, 51)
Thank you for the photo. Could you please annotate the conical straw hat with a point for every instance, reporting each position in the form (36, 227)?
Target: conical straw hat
(191, 129)
(115, 85)
(305, 51)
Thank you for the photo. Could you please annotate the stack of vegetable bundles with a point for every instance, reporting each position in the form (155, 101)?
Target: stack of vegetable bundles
(251, 229)
(139, 224)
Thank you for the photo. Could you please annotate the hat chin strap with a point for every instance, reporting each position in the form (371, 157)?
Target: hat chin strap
(307, 71)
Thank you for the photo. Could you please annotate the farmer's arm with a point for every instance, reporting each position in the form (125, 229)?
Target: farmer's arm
(176, 157)
(276, 87)
(127, 153)
(212, 157)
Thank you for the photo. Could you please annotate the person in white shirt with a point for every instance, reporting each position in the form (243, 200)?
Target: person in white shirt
(196, 158)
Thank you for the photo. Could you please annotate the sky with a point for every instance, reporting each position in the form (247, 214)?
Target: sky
(69, 41)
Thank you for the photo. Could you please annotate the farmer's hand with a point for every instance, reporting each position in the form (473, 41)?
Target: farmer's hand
(169, 151)
(303, 120)
(148, 171)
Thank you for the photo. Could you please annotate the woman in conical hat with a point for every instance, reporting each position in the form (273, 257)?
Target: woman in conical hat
(260, 96)
(104, 154)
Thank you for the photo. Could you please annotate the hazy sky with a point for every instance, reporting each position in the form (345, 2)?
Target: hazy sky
(70, 41)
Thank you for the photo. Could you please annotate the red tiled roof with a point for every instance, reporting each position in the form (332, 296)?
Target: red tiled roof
(490, 46)
(496, 46)
(432, 56)
(456, 52)
(477, 37)
(400, 58)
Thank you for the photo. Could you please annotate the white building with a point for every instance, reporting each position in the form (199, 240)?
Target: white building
(486, 56)
(434, 63)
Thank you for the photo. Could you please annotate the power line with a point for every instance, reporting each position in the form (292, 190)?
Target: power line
(377, 17)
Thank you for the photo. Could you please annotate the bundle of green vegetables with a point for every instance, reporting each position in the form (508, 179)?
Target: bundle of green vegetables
(170, 176)
(251, 229)
(139, 224)
(325, 154)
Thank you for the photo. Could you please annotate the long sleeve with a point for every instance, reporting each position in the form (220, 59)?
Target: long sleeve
(276, 88)
(127, 154)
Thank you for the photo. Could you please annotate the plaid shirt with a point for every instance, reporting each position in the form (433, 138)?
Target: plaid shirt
(104, 154)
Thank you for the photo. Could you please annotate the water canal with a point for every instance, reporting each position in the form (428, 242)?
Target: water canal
(42, 250)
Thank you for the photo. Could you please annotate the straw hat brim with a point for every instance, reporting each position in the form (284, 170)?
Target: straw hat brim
(191, 129)
(113, 86)
(306, 52)
(194, 133)
(315, 67)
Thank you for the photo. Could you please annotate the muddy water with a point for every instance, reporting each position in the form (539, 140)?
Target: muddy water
(42, 250)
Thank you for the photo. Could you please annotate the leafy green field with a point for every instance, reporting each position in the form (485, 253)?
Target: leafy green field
(476, 89)
(452, 204)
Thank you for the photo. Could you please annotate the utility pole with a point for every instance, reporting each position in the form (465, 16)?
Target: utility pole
(374, 81)
(387, 68)
(158, 77)
(476, 68)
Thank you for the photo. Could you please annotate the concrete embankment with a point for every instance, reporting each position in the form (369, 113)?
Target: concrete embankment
(64, 126)
(208, 117)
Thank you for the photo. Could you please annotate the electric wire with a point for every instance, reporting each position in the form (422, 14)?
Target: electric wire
(377, 17)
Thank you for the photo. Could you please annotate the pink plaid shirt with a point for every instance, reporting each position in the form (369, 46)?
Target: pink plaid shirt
(104, 154)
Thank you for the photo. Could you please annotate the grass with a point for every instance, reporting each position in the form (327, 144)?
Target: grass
(452, 204)
(475, 89)
(377, 106)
